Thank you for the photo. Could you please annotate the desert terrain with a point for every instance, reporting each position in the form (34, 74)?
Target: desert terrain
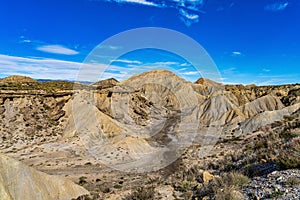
(153, 136)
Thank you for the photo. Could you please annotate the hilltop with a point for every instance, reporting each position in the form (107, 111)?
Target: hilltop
(17, 79)
(107, 83)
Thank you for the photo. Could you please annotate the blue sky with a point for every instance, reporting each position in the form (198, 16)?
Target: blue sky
(250, 41)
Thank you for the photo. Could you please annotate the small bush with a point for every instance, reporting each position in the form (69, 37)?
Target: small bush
(293, 181)
(237, 179)
(277, 194)
(228, 193)
(289, 118)
(289, 157)
(186, 186)
(141, 193)
(82, 180)
(223, 187)
(288, 163)
(39, 127)
(117, 186)
(104, 188)
(287, 135)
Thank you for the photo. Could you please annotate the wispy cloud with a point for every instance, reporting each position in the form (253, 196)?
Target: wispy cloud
(185, 64)
(182, 69)
(24, 40)
(57, 49)
(190, 73)
(266, 70)
(188, 18)
(275, 7)
(236, 53)
(232, 75)
(127, 61)
(165, 63)
(141, 2)
(225, 5)
(189, 10)
(229, 70)
(45, 68)
(111, 47)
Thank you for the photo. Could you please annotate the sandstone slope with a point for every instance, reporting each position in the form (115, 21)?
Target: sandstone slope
(19, 182)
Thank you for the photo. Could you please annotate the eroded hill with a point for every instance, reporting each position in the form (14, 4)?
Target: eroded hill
(140, 125)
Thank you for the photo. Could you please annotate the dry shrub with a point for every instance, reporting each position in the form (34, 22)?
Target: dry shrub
(289, 156)
(141, 193)
(224, 187)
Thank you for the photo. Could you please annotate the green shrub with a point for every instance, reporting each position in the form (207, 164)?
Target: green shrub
(117, 186)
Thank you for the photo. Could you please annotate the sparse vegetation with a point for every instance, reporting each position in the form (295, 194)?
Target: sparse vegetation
(39, 127)
(49, 86)
(277, 194)
(289, 157)
(82, 180)
(117, 186)
(141, 193)
(293, 181)
(225, 186)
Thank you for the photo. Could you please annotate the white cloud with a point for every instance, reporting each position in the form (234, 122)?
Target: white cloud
(229, 70)
(141, 2)
(182, 69)
(275, 7)
(266, 70)
(188, 18)
(185, 64)
(57, 49)
(45, 68)
(26, 41)
(233, 76)
(111, 47)
(188, 15)
(127, 61)
(236, 53)
(165, 63)
(190, 73)
(188, 9)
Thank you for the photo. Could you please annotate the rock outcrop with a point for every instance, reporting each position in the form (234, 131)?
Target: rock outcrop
(19, 182)
(107, 83)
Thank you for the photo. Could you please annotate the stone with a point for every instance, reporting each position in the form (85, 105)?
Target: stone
(207, 177)
(263, 160)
